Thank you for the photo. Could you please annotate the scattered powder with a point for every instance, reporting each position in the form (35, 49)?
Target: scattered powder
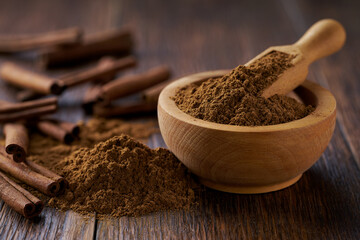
(121, 177)
(235, 98)
(94, 131)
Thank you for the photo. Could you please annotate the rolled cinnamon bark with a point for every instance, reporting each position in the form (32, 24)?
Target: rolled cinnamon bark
(19, 199)
(125, 109)
(27, 113)
(105, 43)
(10, 44)
(7, 107)
(70, 127)
(90, 97)
(63, 183)
(104, 62)
(25, 78)
(104, 72)
(104, 69)
(131, 84)
(16, 141)
(152, 94)
(53, 129)
(27, 95)
(24, 173)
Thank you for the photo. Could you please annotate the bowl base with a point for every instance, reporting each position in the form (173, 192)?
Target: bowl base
(249, 189)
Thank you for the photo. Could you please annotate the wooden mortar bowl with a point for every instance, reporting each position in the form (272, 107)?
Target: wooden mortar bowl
(241, 159)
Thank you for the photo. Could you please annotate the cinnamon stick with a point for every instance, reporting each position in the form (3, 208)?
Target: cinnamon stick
(27, 95)
(152, 94)
(21, 77)
(53, 129)
(25, 174)
(131, 84)
(7, 107)
(19, 199)
(105, 71)
(101, 110)
(105, 43)
(27, 113)
(90, 97)
(10, 44)
(16, 141)
(104, 68)
(70, 127)
(104, 62)
(63, 183)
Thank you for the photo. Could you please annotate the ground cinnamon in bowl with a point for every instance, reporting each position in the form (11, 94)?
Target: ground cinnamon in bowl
(235, 98)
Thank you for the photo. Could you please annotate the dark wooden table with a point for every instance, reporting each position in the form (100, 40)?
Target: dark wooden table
(193, 36)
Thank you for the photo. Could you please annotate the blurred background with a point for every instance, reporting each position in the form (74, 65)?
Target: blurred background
(189, 35)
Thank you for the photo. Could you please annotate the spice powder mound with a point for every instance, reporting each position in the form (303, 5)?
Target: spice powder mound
(123, 177)
(235, 98)
(94, 131)
(107, 172)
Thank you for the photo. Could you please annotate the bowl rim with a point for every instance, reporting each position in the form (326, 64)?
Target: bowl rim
(325, 108)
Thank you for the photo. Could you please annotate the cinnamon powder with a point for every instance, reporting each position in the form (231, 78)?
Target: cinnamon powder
(91, 133)
(235, 98)
(123, 177)
(111, 173)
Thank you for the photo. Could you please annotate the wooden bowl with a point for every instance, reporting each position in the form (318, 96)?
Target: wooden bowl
(242, 159)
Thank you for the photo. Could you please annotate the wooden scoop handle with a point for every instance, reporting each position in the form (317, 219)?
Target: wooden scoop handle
(323, 38)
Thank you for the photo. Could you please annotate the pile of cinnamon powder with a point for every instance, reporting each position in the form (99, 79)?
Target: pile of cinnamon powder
(123, 177)
(235, 98)
(94, 131)
(111, 173)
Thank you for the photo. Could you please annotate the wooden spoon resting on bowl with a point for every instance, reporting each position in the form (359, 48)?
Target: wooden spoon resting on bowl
(322, 39)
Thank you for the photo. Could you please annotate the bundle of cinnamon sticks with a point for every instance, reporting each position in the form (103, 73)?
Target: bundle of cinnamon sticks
(31, 174)
(69, 46)
(14, 162)
(106, 88)
(13, 156)
(34, 101)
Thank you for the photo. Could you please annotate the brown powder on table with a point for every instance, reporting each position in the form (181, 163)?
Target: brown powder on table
(94, 131)
(115, 176)
(123, 177)
(235, 98)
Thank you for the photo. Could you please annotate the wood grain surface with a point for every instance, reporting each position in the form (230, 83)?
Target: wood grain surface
(194, 36)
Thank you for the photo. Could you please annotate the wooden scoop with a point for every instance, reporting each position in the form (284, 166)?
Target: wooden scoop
(325, 37)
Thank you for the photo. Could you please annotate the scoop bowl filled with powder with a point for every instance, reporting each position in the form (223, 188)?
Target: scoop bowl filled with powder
(238, 141)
